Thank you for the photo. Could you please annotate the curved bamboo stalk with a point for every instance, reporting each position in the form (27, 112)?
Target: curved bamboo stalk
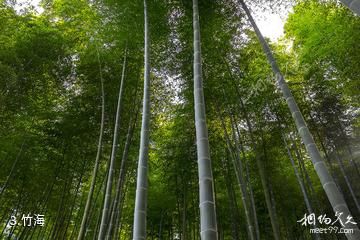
(334, 195)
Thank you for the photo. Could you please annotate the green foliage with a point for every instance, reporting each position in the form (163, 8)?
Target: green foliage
(50, 112)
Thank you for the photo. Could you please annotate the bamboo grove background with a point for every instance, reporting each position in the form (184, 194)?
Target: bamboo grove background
(86, 84)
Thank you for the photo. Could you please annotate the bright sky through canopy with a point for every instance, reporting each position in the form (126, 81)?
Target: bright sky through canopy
(271, 25)
(21, 4)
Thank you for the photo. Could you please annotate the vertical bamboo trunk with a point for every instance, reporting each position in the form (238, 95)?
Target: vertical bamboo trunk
(347, 181)
(239, 175)
(58, 169)
(121, 177)
(98, 218)
(262, 174)
(328, 159)
(325, 151)
(109, 226)
(259, 165)
(247, 178)
(123, 170)
(297, 174)
(244, 190)
(270, 201)
(334, 195)
(352, 161)
(183, 217)
(97, 226)
(252, 202)
(273, 202)
(37, 208)
(300, 181)
(208, 224)
(302, 167)
(97, 159)
(348, 148)
(341, 164)
(41, 209)
(119, 224)
(10, 235)
(298, 178)
(305, 175)
(23, 234)
(92, 211)
(56, 227)
(13, 211)
(109, 185)
(78, 216)
(232, 199)
(73, 204)
(139, 227)
(12, 170)
(65, 232)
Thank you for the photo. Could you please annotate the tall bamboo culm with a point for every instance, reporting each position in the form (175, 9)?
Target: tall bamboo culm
(208, 224)
(85, 216)
(139, 227)
(334, 195)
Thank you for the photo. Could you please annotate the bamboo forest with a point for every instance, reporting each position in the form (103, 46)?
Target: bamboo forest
(180, 119)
